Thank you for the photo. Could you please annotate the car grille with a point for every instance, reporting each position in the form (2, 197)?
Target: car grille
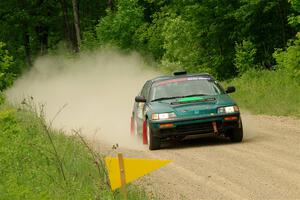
(190, 129)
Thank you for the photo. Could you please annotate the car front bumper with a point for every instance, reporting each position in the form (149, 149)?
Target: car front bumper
(217, 124)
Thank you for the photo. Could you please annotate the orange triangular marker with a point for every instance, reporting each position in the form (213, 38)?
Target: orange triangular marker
(134, 168)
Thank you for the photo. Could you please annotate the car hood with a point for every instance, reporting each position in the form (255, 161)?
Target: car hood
(203, 105)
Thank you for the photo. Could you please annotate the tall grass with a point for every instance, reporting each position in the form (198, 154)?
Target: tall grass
(37, 162)
(268, 92)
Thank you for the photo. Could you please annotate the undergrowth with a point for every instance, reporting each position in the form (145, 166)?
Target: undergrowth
(268, 92)
(37, 162)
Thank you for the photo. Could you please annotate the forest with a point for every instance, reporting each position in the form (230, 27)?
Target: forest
(224, 38)
(253, 45)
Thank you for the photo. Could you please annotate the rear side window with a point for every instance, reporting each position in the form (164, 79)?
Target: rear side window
(145, 90)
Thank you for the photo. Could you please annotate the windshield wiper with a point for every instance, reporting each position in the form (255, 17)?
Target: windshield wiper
(196, 95)
(165, 98)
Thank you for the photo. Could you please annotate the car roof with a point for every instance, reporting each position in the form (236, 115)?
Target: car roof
(163, 78)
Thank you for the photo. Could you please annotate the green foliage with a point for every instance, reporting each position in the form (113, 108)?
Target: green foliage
(28, 166)
(181, 48)
(39, 163)
(290, 59)
(294, 18)
(6, 64)
(295, 5)
(118, 28)
(148, 37)
(192, 35)
(244, 56)
(89, 41)
(30, 28)
(197, 37)
(212, 36)
(2, 98)
(264, 23)
(268, 92)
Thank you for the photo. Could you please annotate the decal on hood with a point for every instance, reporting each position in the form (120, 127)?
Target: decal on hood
(192, 100)
(187, 99)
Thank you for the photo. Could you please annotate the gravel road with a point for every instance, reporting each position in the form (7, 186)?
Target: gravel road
(266, 165)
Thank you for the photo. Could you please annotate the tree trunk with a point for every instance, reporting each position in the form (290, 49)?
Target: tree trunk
(68, 32)
(42, 28)
(42, 32)
(283, 20)
(26, 41)
(76, 23)
(25, 34)
(110, 4)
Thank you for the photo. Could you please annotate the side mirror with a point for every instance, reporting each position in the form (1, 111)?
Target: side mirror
(230, 89)
(140, 99)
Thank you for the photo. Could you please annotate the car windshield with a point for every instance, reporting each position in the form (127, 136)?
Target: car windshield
(182, 87)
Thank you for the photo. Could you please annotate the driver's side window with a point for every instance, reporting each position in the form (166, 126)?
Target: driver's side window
(145, 90)
(140, 105)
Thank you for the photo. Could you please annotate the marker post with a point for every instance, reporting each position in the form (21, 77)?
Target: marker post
(122, 176)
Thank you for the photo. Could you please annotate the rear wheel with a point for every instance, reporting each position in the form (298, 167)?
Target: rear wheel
(132, 128)
(151, 140)
(135, 132)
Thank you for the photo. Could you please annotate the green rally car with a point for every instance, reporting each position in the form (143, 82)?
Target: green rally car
(172, 107)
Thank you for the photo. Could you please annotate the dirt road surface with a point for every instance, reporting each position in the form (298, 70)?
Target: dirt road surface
(266, 165)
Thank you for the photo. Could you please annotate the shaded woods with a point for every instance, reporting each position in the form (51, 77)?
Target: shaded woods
(225, 38)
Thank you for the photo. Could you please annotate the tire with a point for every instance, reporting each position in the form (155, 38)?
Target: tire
(132, 128)
(236, 134)
(135, 132)
(153, 142)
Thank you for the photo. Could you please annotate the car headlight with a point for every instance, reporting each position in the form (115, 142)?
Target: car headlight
(228, 109)
(159, 116)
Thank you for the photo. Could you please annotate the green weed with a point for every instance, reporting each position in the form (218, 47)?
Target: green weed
(37, 162)
(268, 92)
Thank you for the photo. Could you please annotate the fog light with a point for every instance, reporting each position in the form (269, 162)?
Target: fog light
(232, 118)
(166, 125)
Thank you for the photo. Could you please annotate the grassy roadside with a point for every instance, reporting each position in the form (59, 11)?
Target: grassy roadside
(40, 163)
(268, 92)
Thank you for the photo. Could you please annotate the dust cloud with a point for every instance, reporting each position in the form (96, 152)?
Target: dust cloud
(98, 90)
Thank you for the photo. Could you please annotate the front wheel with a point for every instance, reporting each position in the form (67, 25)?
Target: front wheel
(152, 141)
(236, 135)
